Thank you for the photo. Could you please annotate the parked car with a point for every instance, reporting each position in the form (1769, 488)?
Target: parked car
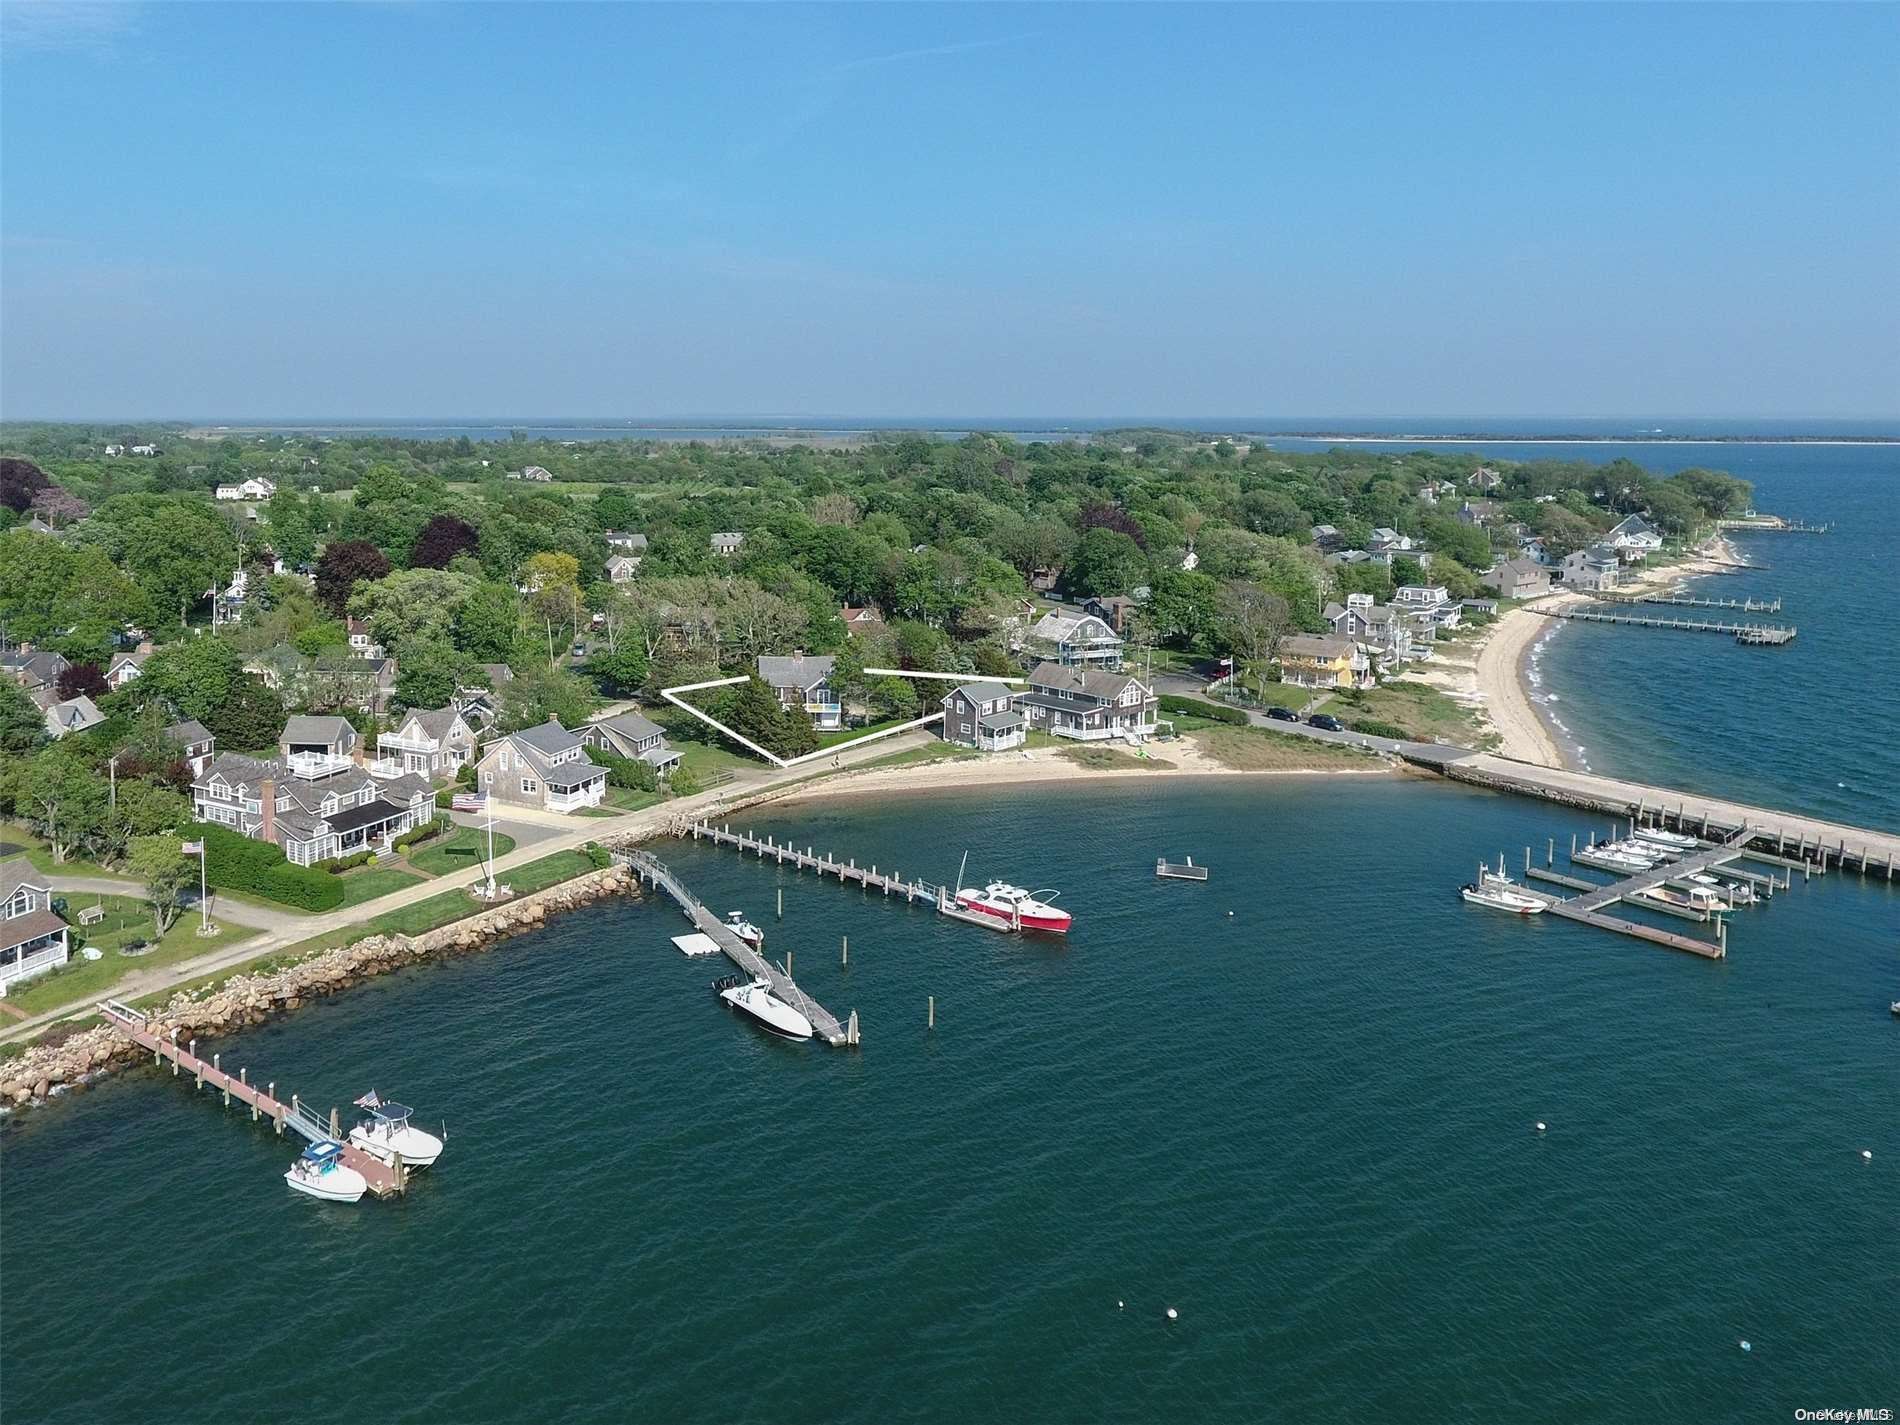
(1326, 722)
(1283, 714)
(467, 801)
(579, 650)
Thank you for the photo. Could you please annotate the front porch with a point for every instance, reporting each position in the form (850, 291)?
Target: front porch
(45, 949)
(577, 797)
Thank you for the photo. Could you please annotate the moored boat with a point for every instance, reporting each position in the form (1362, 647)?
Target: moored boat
(1673, 840)
(388, 1132)
(754, 998)
(321, 1172)
(745, 929)
(1496, 892)
(1015, 907)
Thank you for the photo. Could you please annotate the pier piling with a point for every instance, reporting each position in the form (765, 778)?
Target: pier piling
(933, 1012)
(844, 951)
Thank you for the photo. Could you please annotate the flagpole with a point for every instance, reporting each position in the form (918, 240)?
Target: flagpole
(204, 907)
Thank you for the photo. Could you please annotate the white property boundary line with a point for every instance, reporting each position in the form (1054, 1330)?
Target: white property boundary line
(670, 694)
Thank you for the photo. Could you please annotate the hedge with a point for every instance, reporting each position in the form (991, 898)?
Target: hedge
(337, 865)
(428, 831)
(234, 862)
(1373, 728)
(1196, 707)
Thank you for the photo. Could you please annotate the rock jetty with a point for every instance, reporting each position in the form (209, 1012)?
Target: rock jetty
(62, 1062)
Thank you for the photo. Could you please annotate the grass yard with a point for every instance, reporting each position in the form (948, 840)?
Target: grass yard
(458, 851)
(632, 798)
(1426, 714)
(1254, 749)
(36, 850)
(1108, 759)
(852, 734)
(368, 882)
(538, 875)
(126, 920)
(917, 756)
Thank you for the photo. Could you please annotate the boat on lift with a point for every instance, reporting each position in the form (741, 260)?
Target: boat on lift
(388, 1132)
(1495, 892)
(745, 929)
(754, 998)
(320, 1172)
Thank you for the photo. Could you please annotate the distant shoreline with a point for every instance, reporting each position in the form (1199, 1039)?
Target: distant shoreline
(1590, 439)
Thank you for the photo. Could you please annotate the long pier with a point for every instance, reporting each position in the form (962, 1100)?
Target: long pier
(823, 1022)
(384, 1179)
(1748, 606)
(1753, 634)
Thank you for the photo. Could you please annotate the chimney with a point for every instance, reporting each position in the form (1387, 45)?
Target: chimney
(267, 798)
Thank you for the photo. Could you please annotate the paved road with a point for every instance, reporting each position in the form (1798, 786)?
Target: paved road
(579, 831)
(1433, 752)
(257, 917)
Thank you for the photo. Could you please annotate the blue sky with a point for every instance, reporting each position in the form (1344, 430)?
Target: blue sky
(433, 209)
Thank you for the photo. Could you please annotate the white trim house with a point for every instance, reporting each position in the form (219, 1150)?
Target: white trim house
(33, 939)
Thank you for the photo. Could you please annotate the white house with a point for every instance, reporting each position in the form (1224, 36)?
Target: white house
(1594, 568)
(626, 540)
(145, 450)
(727, 542)
(32, 938)
(430, 742)
(1634, 539)
(255, 488)
(127, 666)
(622, 567)
(1074, 639)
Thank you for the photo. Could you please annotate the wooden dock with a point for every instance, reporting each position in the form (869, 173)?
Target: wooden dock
(823, 1022)
(1748, 606)
(384, 1179)
(1757, 635)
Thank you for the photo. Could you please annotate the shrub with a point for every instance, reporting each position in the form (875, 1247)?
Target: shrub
(1373, 728)
(444, 799)
(234, 862)
(627, 771)
(600, 857)
(1198, 707)
(337, 865)
(428, 831)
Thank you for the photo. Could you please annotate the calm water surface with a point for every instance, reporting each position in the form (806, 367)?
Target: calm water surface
(1294, 1103)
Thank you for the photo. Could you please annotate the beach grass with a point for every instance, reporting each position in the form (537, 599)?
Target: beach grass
(1426, 713)
(1109, 759)
(1254, 749)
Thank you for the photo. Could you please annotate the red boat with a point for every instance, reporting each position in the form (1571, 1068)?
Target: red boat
(1015, 907)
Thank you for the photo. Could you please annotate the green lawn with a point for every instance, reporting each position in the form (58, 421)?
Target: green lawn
(36, 850)
(632, 799)
(457, 852)
(1426, 714)
(538, 875)
(852, 734)
(913, 756)
(368, 882)
(1254, 749)
(453, 905)
(126, 920)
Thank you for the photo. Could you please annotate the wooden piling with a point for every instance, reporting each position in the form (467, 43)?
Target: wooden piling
(844, 949)
(270, 1092)
(933, 1012)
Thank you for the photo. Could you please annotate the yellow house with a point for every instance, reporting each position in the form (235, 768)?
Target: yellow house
(1324, 662)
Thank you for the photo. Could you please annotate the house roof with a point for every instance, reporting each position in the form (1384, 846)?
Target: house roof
(547, 738)
(1633, 525)
(626, 538)
(801, 670)
(20, 872)
(372, 813)
(1092, 682)
(1000, 721)
(434, 722)
(1523, 567)
(623, 561)
(305, 727)
(189, 731)
(633, 725)
(30, 926)
(1307, 645)
(981, 692)
(1059, 627)
(76, 714)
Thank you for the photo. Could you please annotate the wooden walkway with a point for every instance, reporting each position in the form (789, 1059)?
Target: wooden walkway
(888, 883)
(823, 1022)
(1753, 634)
(1747, 606)
(384, 1179)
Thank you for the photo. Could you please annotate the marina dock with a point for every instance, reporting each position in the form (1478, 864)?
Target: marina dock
(823, 1022)
(1747, 606)
(1756, 635)
(384, 1179)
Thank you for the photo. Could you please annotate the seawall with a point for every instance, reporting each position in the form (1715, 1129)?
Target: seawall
(50, 1068)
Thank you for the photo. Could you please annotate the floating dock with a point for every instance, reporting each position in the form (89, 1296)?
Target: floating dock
(384, 1179)
(823, 1022)
(1759, 635)
(1187, 871)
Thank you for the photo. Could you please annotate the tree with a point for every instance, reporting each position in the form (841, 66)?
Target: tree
(1183, 606)
(894, 698)
(537, 694)
(292, 534)
(20, 481)
(412, 610)
(345, 564)
(50, 591)
(442, 538)
(249, 715)
(487, 627)
(166, 873)
(1252, 622)
(429, 676)
(22, 726)
(1105, 561)
(146, 808)
(623, 670)
(752, 710)
(81, 680)
(173, 546)
(194, 676)
(63, 798)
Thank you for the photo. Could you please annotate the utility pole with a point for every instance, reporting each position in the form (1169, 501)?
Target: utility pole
(112, 774)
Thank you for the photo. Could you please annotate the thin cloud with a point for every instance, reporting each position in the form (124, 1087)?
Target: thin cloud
(66, 25)
(899, 56)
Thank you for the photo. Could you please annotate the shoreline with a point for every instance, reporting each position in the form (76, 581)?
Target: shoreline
(1504, 682)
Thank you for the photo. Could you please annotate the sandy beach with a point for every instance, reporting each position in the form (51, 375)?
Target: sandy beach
(1185, 758)
(1497, 680)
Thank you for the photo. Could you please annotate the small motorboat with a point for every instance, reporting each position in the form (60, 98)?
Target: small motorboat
(388, 1132)
(1894, 1008)
(321, 1172)
(1501, 893)
(745, 929)
(1015, 907)
(1737, 892)
(1696, 898)
(754, 997)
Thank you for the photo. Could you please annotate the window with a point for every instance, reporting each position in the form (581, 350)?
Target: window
(529, 787)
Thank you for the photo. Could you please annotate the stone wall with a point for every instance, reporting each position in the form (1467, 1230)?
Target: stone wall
(245, 1000)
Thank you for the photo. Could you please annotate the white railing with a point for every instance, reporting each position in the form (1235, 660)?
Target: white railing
(311, 765)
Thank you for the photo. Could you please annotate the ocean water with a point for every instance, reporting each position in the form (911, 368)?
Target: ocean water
(1295, 1104)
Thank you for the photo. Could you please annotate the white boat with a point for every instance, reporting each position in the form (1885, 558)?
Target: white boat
(1015, 907)
(1501, 893)
(388, 1132)
(1675, 841)
(1729, 891)
(745, 929)
(1640, 851)
(755, 998)
(1606, 859)
(1696, 898)
(321, 1172)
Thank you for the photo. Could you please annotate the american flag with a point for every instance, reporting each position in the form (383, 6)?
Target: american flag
(193, 848)
(369, 1100)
